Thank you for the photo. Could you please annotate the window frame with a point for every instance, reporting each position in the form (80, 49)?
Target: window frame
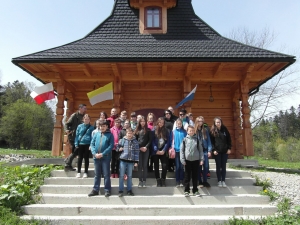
(146, 18)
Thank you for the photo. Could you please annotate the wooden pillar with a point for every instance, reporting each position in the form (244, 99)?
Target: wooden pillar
(58, 127)
(237, 137)
(247, 131)
(117, 94)
(187, 87)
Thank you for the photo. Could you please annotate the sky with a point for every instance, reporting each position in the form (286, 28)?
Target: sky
(34, 25)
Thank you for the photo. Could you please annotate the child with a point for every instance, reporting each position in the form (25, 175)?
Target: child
(191, 156)
(221, 145)
(176, 139)
(114, 166)
(203, 134)
(82, 142)
(129, 148)
(101, 146)
(144, 137)
(160, 145)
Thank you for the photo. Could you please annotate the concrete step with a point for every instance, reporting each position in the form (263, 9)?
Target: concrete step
(147, 210)
(176, 199)
(149, 191)
(150, 181)
(91, 165)
(130, 220)
(91, 173)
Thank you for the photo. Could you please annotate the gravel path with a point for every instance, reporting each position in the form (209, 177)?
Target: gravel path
(286, 185)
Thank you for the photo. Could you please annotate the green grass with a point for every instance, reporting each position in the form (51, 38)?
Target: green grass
(275, 163)
(35, 153)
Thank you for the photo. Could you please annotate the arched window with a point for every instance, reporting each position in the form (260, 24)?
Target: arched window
(153, 17)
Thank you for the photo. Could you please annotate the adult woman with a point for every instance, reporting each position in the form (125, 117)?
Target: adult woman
(160, 146)
(203, 134)
(143, 136)
(82, 142)
(221, 145)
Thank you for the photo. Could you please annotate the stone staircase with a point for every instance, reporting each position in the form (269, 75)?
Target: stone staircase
(64, 200)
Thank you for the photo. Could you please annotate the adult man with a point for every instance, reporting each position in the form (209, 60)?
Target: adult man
(70, 127)
(173, 115)
(113, 115)
(133, 120)
(101, 147)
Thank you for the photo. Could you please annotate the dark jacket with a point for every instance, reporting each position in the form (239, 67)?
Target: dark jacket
(155, 143)
(122, 133)
(143, 138)
(72, 124)
(222, 141)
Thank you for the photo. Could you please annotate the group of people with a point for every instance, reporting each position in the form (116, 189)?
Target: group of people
(118, 145)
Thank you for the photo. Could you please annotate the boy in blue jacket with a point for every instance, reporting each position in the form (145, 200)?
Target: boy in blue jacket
(101, 147)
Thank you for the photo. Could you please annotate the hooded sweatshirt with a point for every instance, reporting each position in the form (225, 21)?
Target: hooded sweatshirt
(191, 149)
(115, 132)
(83, 134)
(178, 135)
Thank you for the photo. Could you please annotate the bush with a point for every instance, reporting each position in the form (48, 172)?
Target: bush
(19, 184)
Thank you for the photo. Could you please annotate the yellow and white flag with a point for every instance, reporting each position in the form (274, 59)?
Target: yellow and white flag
(101, 94)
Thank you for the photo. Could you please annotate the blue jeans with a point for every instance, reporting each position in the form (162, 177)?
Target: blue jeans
(179, 172)
(102, 166)
(204, 168)
(123, 166)
(221, 160)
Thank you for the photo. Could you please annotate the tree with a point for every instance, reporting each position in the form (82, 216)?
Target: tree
(266, 103)
(24, 123)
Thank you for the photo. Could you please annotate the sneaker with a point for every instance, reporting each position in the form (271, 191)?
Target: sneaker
(140, 184)
(78, 175)
(112, 175)
(186, 194)
(201, 184)
(125, 177)
(120, 193)
(219, 184)
(197, 194)
(93, 193)
(107, 194)
(208, 175)
(144, 184)
(130, 193)
(223, 184)
(181, 183)
(69, 168)
(206, 184)
(177, 184)
(116, 175)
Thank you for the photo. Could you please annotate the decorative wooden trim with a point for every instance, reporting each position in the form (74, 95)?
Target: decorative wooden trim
(218, 69)
(188, 70)
(86, 69)
(247, 131)
(58, 127)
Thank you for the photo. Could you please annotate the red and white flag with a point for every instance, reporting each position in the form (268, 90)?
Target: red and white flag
(43, 93)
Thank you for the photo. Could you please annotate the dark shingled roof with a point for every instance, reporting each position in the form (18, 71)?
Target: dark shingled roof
(188, 38)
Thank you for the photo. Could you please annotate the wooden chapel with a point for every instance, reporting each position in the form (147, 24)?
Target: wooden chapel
(155, 52)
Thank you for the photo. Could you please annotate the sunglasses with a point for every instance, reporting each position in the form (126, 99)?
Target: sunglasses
(181, 114)
(167, 113)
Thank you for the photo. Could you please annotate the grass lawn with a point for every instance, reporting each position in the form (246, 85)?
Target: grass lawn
(277, 164)
(36, 153)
